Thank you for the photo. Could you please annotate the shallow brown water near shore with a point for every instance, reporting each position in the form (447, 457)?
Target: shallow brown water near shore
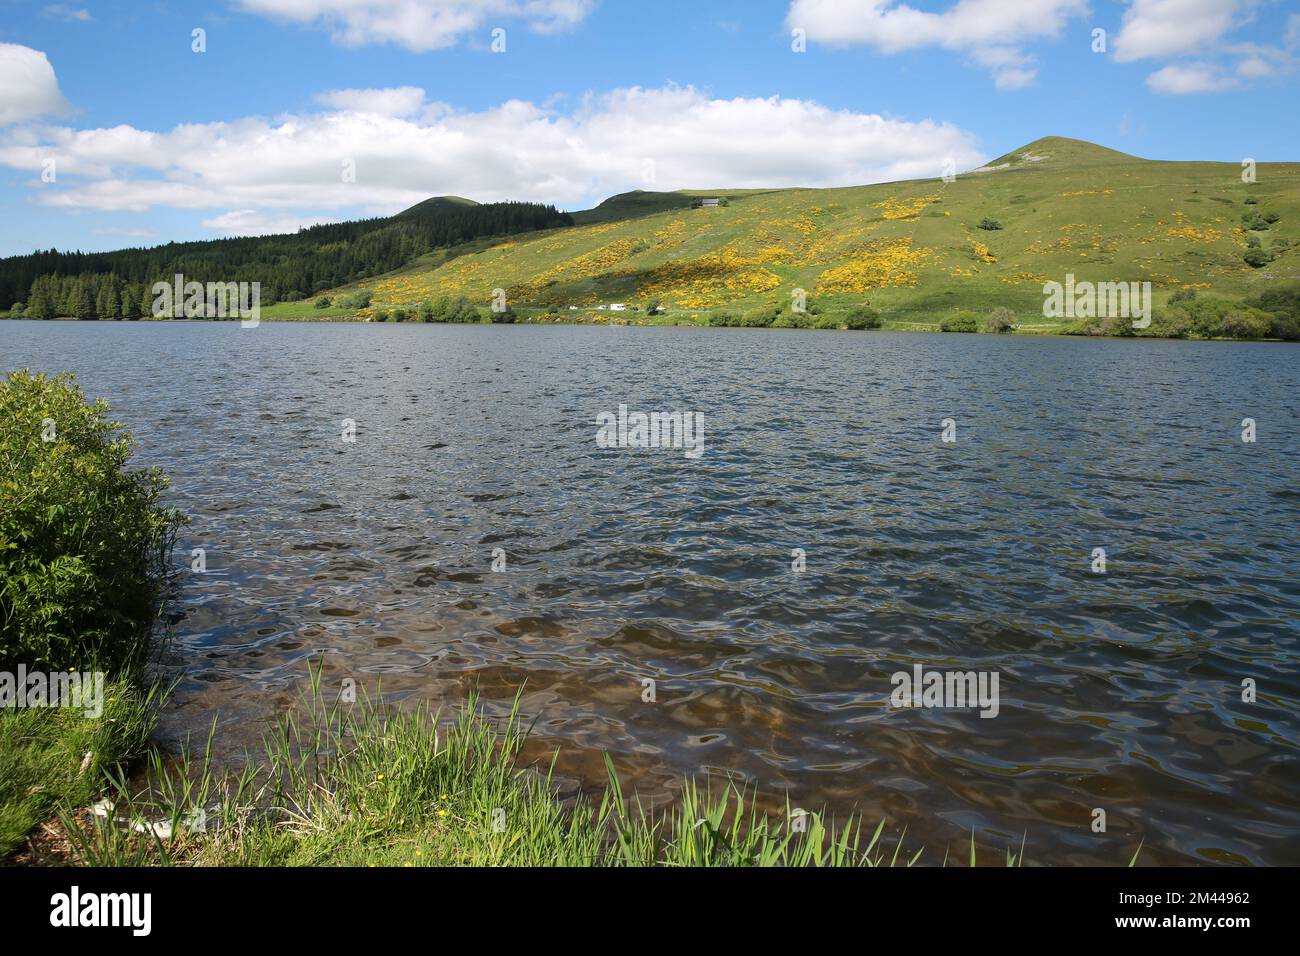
(1119, 691)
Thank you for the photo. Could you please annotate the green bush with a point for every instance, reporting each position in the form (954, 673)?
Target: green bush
(458, 309)
(400, 315)
(1171, 324)
(324, 302)
(720, 318)
(357, 300)
(960, 322)
(1284, 327)
(1282, 303)
(1000, 321)
(862, 317)
(760, 318)
(990, 224)
(1245, 323)
(83, 540)
(1256, 257)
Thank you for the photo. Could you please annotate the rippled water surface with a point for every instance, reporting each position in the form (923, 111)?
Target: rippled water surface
(1121, 691)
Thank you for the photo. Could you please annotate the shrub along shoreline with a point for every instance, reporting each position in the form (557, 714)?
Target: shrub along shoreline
(84, 542)
(1272, 315)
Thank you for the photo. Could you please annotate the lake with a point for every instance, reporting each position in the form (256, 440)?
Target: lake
(1120, 691)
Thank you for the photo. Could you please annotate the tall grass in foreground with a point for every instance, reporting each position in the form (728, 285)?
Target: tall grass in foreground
(57, 756)
(356, 784)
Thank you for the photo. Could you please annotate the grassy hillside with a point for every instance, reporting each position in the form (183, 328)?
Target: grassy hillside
(913, 250)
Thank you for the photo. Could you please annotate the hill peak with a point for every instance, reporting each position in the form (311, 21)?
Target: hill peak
(435, 203)
(1058, 151)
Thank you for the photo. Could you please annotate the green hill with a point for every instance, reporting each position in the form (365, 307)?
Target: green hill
(435, 205)
(916, 251)
(1060, 151)
(913, 252)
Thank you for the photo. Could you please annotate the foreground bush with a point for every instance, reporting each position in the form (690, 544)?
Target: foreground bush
(83, 539)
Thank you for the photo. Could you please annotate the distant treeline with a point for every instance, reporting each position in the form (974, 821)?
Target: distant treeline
(111, 285)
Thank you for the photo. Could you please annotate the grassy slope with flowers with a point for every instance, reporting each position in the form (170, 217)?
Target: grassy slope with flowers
(912, 250)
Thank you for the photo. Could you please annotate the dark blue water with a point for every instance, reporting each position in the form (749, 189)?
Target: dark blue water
(1121, 691)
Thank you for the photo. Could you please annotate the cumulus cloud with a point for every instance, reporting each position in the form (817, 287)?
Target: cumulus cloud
(1199, 30)
(1179, 79)
(251, 222)
(420, 25)
(992, 33)
(1165, 28)
(394, 101)
(668, 138)
(28, 86)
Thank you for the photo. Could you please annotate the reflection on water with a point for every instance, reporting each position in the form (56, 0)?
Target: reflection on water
(1120, 691)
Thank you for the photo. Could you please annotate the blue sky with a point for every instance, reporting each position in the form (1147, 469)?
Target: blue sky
(149, 141)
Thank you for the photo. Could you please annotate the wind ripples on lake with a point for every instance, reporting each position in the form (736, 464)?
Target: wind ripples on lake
(1119, 691)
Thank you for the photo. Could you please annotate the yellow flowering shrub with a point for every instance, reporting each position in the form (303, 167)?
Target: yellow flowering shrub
(883, 262)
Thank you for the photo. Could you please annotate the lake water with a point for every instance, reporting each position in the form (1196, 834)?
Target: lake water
(1120, 691)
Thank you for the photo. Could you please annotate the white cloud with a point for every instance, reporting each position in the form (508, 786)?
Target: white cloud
(250, 222)
(1199, 30)
(991, 32)
(1179, 79)
(420, 25)
(1256, 67)
(1165, 28)
(28, 86)
(70, 14)
(394, 101)
(1012, 69)
(253, 168)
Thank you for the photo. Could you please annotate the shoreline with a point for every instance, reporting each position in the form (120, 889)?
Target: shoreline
(924, 329)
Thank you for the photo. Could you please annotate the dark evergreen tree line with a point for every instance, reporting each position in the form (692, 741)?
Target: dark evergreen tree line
(292, 266)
